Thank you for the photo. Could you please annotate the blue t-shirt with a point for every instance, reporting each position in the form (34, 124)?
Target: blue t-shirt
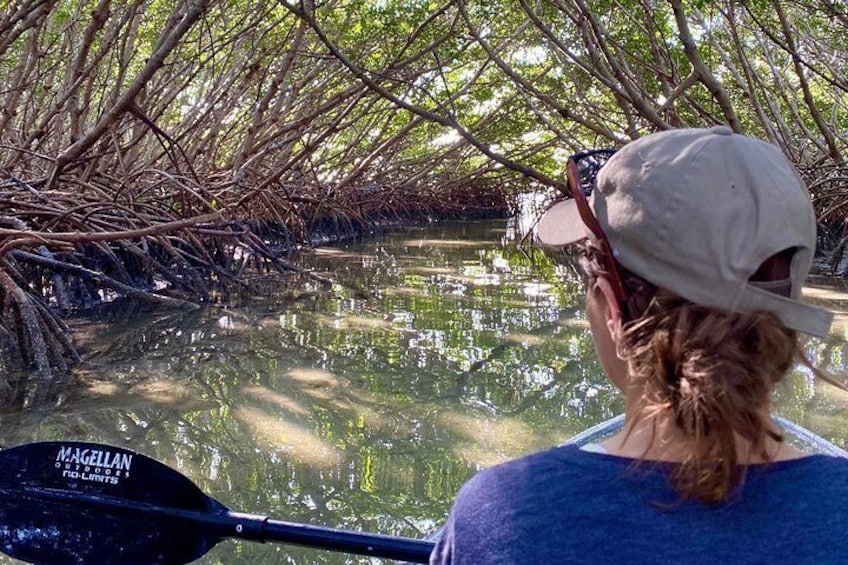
(571, 506)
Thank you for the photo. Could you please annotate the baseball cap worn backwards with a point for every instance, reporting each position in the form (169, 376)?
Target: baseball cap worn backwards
(698, 212)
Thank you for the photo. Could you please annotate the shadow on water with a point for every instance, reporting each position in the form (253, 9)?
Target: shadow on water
(442, 350)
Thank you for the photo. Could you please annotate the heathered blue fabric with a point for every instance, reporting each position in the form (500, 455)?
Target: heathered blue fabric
(570, 506)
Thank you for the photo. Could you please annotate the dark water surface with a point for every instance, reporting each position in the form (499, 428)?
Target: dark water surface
(440, 350)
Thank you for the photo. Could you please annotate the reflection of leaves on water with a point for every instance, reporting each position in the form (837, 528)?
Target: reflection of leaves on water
(366, 413)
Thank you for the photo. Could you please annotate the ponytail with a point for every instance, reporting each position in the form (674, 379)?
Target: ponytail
(713, 372)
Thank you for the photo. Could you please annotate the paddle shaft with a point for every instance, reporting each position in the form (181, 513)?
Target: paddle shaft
(249, 527)
(377, 545)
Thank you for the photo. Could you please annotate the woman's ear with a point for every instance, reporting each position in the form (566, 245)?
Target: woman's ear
(612, 309)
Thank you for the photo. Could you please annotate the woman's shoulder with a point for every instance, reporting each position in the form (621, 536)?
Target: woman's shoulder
(800, 479)
(559, 468)
(814, 466)
(555, 458)
(570, 471)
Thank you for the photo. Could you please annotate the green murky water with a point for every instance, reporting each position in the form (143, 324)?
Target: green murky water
(440, 350)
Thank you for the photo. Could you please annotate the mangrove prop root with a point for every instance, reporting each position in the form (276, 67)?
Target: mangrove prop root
(102, 279)
(87, 236)
(31, 343)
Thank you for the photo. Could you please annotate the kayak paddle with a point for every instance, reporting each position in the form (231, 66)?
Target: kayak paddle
(76, 502)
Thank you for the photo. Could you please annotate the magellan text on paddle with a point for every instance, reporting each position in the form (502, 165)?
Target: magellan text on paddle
(94, 465)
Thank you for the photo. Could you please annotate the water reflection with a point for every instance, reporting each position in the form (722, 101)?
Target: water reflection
(439, 351)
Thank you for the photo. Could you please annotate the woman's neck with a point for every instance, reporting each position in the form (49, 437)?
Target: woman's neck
(656, 437)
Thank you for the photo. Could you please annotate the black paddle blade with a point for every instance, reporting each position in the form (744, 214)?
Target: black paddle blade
(75, 502)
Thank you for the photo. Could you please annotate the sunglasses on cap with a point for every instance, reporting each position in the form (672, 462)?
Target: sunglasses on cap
(582, 177)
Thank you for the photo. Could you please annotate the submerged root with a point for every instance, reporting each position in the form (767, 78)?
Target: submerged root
(23, 327)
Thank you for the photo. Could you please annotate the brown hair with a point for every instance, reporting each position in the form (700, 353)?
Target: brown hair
(711, 371)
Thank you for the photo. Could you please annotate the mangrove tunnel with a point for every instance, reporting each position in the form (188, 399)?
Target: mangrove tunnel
(177, 152)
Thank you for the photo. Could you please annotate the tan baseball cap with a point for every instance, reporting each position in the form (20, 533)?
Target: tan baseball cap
(697, 212)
